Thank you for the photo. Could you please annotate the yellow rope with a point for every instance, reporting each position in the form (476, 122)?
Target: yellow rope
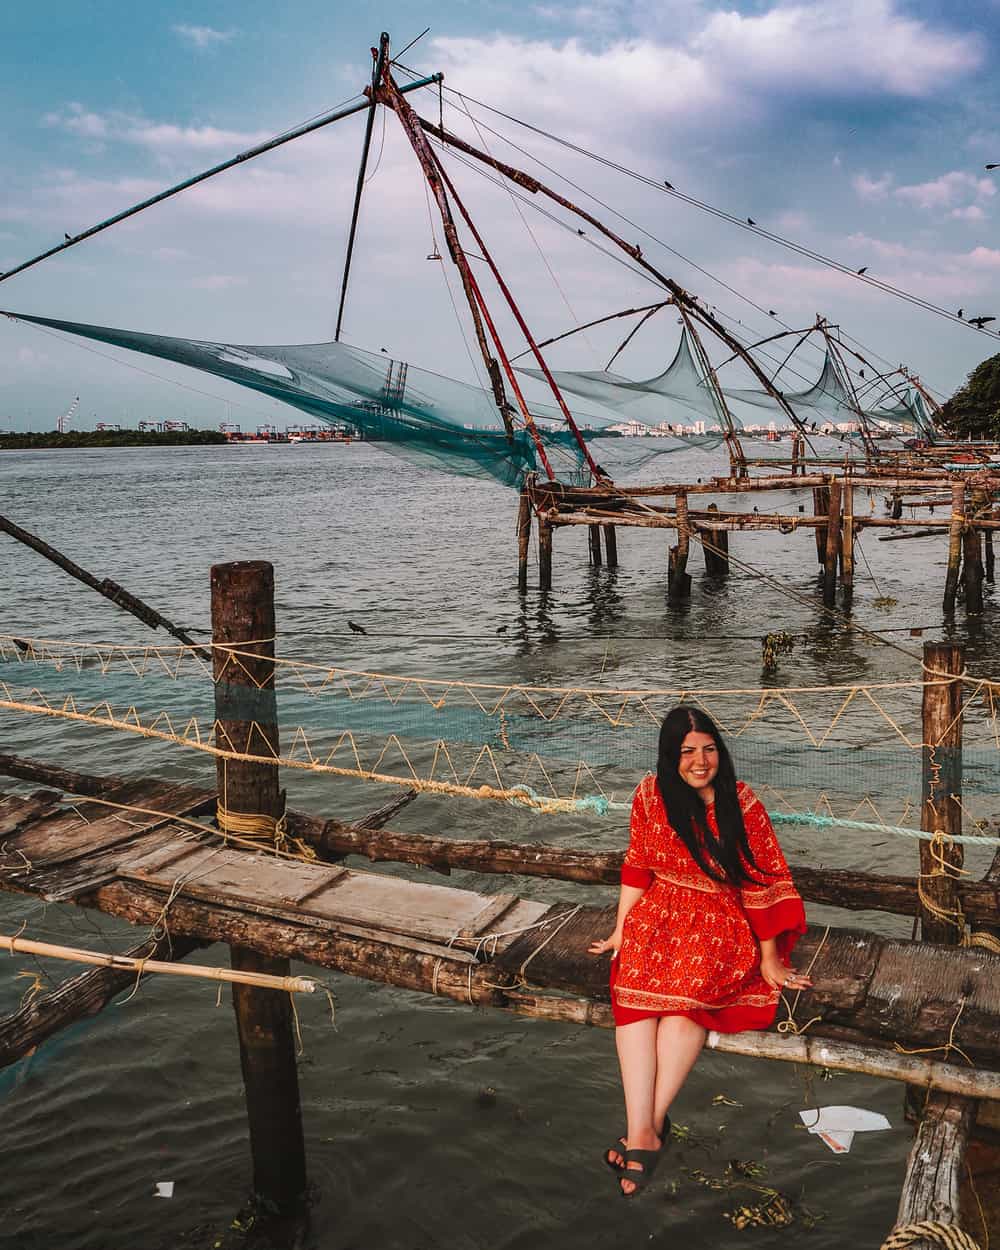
(948, 1235)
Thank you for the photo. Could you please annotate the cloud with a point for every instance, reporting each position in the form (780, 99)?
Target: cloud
(202, 37)
(872, 188)
(841, 48)
(947, 191)
(159, 137)
(882, 248)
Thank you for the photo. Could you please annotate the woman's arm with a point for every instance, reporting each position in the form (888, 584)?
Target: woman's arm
(776, 972)
(627, 899)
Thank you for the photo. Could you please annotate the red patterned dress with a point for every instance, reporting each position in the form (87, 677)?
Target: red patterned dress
(690, 944)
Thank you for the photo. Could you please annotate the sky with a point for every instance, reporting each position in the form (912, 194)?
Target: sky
(859, 129)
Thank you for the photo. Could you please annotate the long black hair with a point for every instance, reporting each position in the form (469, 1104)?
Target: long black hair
(726, 858)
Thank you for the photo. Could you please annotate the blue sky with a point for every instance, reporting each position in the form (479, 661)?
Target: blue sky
(858, 127)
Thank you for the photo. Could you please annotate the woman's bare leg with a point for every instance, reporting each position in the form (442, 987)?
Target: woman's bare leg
(636, 1045)
(678, 1044)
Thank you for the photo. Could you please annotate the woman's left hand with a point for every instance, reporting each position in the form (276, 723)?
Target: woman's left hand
(781, 977)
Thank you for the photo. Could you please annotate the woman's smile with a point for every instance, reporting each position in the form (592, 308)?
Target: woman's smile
(699, 760)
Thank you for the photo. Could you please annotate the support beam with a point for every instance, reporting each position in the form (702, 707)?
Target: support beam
(678, 578)
(246, 720)
(847, 544)
(955, 528)
(523, 540)
(941, 918)
(821, 509)
(936, 1165)
(715, 545)
(544, 554)
(594, 541)
(611, 545)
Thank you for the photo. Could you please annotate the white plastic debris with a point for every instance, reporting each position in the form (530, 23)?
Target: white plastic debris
(837, 1125)
(164, 1189)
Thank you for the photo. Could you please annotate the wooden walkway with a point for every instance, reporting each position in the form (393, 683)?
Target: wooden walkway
(497, 950)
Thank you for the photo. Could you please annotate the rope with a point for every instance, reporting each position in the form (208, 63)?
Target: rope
(948, 1235)
(789, 1024)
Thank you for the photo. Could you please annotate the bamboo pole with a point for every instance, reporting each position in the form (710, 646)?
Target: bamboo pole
(678, 578)
(611, 545)
(955, 528)
(246, 720)
(812, 1048)
(523, 540)
(941, 790)
(847, 547)
(140, 966)
(594, 539)
(833, 545)
(544, 554)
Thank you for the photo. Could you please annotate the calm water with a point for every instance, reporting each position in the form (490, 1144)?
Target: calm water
(427, 1124)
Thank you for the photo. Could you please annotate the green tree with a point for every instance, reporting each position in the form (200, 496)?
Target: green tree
(974, 410)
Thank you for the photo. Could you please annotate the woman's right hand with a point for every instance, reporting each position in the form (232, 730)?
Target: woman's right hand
(612, 944)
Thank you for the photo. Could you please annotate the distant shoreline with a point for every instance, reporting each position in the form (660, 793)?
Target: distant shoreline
(52, 440)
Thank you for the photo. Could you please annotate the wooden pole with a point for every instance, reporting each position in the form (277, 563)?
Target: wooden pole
(833, 545)
(973, 560)
(941, 918)
(246, 720)
(990, 559)
(544, 554)
(954, 544)
(935, 1167)
(847, 547)
(821, 509)
(678, 578)
(611, 545)
(715, 544)
(594, 536)
(523, 540)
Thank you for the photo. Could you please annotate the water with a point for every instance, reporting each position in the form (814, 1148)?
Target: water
(427, 1124)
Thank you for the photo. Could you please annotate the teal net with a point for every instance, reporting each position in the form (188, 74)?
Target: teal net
(420, 416)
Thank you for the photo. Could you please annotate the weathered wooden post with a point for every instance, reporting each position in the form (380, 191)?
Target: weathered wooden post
(821, 508)
(847, 545)
(936, 1166)
(797, 452)
(954, 544)
(611, 545)
(973, 561)
(715, 544)
(988, 551)
(941, 792)
(833, 545)
(251, 803)
(594, 538)
(544, 554)
(523, 539)
(678, 578)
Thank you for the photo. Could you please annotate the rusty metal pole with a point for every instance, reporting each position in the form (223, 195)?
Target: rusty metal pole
(246, 721)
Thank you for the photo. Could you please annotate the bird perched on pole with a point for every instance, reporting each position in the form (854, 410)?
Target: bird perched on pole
(751, 222)
(979, 322)
(863, 269)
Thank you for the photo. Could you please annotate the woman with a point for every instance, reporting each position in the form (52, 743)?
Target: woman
(707, 918)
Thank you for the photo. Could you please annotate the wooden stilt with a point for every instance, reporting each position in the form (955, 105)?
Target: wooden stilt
(954, 544)
(973, 562)
(678, 578)
(715, 544)
(988, 552)
(246, 720)
(544, 554)
(847, 545)
(594, 536)
(941, 918)
(936, 1165)
(611, 545)
(833, 545)
(523, 540)
(821, 508)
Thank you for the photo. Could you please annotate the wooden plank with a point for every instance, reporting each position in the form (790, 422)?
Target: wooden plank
(19, 810)
(931, 1189)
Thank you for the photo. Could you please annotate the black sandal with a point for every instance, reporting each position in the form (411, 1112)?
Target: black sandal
(642, 1175)
(617, 1148)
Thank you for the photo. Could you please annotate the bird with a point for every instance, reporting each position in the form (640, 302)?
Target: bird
(384, 349)
(580, 232)
(993, 166)
(960, 311)
(357, 629)
(861, 373)
(863, 269)
(771, 312)
(668, 185)
(67, 237)
(979, 322)
(751, 222)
